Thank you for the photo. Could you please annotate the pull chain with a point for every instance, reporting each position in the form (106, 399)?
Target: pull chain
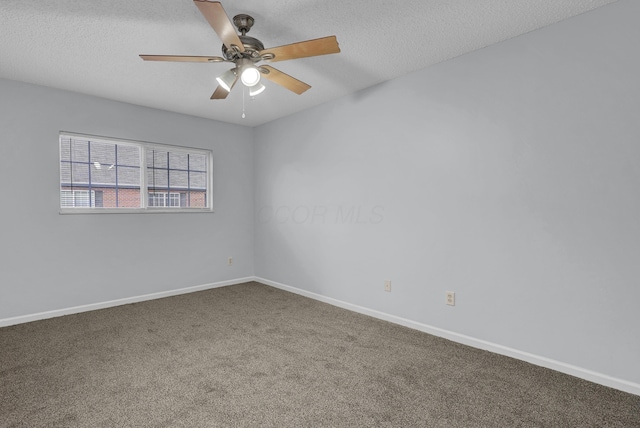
(243, 115)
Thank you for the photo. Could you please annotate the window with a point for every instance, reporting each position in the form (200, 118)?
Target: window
(181, 172)
(100, 174)
(165, 199)
(90, 165)
(77, 198)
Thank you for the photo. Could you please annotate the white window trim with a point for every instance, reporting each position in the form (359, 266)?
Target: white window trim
(144, 209)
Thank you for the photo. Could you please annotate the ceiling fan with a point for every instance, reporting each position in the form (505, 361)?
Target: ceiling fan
(246, 52)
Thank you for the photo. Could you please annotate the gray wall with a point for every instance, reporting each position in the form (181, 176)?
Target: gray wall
(51, 261)
(509, 175)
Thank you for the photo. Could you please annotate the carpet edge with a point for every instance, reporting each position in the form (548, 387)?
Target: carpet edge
(559, 366)
(20, 319)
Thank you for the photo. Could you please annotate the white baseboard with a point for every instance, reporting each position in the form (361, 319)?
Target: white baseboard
(559, 366)
(111, 303)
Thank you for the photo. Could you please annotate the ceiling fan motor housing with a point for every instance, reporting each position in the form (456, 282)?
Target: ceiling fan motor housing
(252, 48)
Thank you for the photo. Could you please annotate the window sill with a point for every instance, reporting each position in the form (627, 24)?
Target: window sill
(75, 211)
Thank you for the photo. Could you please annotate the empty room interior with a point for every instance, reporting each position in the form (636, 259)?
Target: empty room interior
(427, 215)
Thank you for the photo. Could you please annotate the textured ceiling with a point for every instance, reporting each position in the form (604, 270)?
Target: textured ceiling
(92, 46)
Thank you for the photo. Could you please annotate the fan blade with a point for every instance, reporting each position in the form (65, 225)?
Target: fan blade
(323, 46)
(182, 58)
(284, 80)
(220, 93)
(218, 19)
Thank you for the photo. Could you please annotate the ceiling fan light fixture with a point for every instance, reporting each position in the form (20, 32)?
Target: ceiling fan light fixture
(250, 76)
(256, 89)
(227, 79)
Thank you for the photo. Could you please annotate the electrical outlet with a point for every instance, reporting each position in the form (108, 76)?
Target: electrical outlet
(451, 298)
(387, 286)
(230, 261)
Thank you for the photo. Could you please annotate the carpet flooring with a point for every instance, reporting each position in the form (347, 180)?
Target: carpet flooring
(250, 355)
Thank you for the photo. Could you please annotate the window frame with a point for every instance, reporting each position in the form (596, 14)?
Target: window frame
(143, 146)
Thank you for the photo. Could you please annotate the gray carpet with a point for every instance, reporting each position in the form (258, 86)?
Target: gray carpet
(250, 355)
